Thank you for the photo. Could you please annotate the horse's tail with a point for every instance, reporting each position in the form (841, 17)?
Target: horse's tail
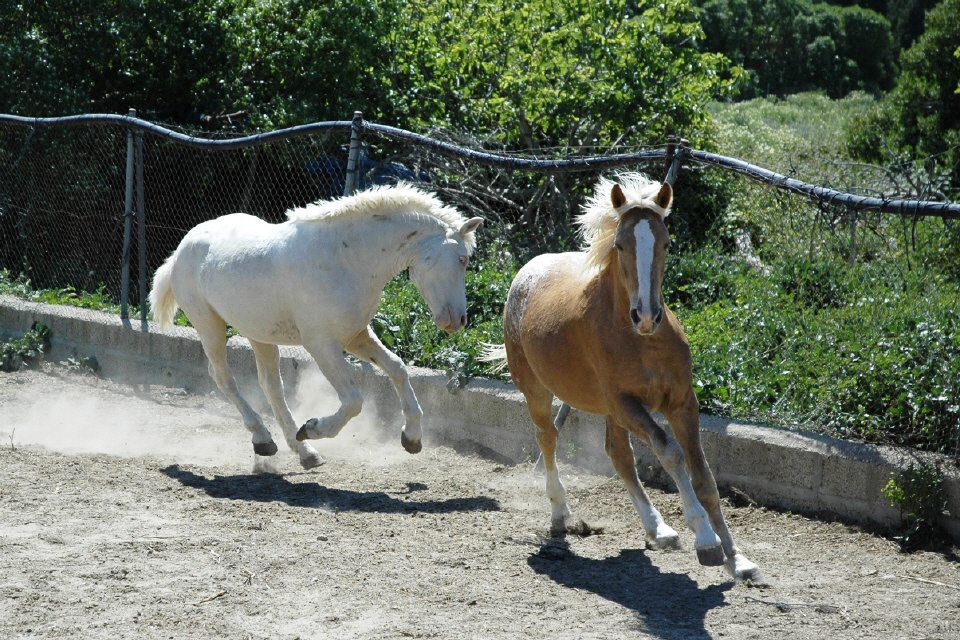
(161, 295)
(496, 355)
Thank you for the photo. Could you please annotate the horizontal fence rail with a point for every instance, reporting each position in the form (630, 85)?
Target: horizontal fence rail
(73, 188)
(564, 165)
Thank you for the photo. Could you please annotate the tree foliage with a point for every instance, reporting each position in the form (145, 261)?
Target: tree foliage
(548, 73)
(919, 121)
(163, 57)
(795, 45)
(529, 72)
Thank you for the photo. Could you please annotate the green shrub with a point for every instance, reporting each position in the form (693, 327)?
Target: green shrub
(918, 492)
(26, 351)
(405, 325)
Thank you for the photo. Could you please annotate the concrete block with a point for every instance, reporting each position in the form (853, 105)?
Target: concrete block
(776, 467)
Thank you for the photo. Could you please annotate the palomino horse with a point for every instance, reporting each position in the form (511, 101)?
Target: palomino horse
(592, 329)
(316, 280)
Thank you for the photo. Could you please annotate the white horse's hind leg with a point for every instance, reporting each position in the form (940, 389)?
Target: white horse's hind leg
(339, 374)
(659, 535)
(368, 347)
(268, 372)
(212, 333)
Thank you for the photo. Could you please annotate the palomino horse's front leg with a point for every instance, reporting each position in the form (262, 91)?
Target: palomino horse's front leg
(659, 534)
(635, 417)
(367, 346)
(339, 373)
(686, 427)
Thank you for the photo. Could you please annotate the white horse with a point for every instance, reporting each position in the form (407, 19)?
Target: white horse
(316, 280)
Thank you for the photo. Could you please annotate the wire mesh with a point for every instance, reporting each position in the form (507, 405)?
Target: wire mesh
(63, 186)
(61, 200)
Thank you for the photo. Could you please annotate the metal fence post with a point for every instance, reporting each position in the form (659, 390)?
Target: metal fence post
(853, 239)
(350, 183)
(675, 157)
(127, 222)
(141, 227)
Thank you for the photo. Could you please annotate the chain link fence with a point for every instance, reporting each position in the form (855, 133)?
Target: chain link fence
(95, 204)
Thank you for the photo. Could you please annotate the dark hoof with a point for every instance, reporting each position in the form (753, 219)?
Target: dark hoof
(576, 527)
(412, 446)
(311, 461)
(302, 434)
(265, 448)
(711, 556)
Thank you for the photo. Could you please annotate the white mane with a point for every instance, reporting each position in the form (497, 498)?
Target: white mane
(399, 199)
(599, 220)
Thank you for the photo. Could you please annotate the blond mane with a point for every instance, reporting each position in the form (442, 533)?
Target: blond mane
(599, 220)
(399, 199)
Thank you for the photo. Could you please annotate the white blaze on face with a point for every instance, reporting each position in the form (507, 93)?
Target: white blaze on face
(645, 241)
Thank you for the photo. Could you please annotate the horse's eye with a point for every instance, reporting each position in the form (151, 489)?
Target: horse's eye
(463, 261)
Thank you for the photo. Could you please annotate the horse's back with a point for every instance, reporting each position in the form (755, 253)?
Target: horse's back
(233, 267)
(546, 286)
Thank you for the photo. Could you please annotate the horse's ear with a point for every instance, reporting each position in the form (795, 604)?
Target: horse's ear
(470, 225)
(665, 197)
(617, 197)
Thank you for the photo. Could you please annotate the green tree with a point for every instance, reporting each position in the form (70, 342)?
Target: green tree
(302, 61)
(795, 45)
(920, 119)
(163, 57)
(555, 73)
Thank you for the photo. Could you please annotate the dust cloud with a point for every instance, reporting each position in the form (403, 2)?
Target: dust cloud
(131, 421)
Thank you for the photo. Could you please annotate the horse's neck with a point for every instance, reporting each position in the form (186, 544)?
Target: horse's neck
(611, 292)
(383, 247)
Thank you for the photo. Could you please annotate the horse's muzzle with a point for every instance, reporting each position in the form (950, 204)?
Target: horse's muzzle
(449, 321)
(646, 325)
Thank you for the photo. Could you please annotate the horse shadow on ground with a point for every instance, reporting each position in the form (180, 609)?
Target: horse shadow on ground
(670, 606)
(310, 495)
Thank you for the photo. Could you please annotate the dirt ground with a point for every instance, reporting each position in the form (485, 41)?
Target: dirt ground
(130, 512)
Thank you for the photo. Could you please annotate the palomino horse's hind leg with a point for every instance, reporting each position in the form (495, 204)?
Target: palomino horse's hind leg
(368, 347)
(329, 357)
(558, 422)
(212, 334)
(620, 451)
(268, 372)
(668, 451)
(686, 428)
(562, 519)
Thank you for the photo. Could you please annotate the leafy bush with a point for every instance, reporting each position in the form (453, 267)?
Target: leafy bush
(28, 350)
(918, 492)
(862, 355)
(919, 121)
(787, 46)
(21, 287)
(555, 73)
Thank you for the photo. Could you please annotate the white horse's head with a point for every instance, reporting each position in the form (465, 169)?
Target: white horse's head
(440, 272)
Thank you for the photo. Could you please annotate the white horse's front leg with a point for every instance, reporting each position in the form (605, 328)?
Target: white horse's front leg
(367, 346)
(339, 373)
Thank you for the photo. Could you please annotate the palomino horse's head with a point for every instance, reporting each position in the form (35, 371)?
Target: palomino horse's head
(440, 271)
(641, 242)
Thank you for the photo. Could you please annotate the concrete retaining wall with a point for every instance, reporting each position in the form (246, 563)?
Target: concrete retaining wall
(774, 467)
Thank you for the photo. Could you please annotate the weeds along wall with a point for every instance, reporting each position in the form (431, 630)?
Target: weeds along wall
(95, 203)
